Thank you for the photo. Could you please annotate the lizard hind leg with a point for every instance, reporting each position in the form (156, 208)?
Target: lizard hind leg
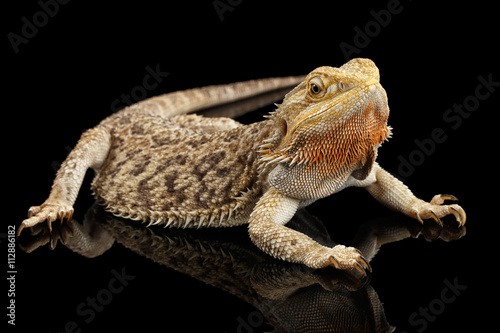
(90, 152)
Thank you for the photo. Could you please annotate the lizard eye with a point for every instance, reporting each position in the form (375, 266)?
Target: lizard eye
(315, 89)
(315, 86)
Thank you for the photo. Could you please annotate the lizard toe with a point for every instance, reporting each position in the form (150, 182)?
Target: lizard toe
(49, 212)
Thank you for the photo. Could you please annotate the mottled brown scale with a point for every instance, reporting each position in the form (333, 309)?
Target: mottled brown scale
(156, 164)
(180, 168)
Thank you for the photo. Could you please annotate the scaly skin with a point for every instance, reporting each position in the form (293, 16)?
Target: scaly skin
(158, 165)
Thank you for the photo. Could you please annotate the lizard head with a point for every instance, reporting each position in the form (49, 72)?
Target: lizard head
(332, 123)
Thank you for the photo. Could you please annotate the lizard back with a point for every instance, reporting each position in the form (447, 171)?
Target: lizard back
(185, 171)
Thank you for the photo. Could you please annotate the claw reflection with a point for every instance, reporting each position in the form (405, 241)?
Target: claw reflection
(293, 298)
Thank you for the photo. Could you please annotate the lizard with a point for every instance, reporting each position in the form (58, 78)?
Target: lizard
(156, 162)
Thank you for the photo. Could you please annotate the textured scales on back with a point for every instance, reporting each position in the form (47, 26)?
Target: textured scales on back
(157, 164)
(186, 171)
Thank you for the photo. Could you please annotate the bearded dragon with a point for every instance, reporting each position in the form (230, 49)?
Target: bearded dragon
(156, 163)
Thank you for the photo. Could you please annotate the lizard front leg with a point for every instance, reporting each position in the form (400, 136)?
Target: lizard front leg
(391, 192)
(267, 231)
(90, 152)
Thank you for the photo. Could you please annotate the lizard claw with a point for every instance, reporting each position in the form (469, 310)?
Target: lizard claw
(459, 214)
(49, 212)
(334, 262)
(365, 264)
(436, 218)
(440, 198)
(345, 258)
(436, 210)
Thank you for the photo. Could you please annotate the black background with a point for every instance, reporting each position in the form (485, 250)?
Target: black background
(65, 78)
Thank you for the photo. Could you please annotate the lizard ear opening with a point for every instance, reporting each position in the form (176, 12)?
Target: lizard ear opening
(284, 127)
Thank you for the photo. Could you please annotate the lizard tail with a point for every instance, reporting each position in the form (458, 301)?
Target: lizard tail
(228, 100)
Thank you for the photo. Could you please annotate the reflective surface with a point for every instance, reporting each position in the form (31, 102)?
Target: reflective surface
(282, 296)
(78, 62)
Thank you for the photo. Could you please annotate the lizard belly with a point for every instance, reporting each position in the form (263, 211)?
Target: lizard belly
(182, 177)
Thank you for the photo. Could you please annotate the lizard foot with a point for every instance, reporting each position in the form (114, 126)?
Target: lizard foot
(436, 210)
(47, 212)
(340, 257)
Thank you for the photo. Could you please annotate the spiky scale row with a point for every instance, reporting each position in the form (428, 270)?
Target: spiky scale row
(190, 171)
(223, 217)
